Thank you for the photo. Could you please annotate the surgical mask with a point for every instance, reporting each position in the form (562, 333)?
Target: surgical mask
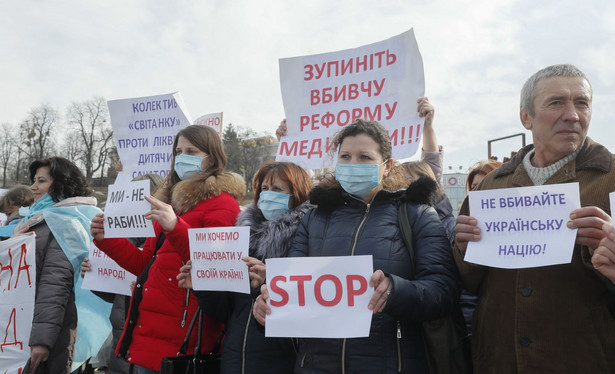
(358, 179)
(273, 204)
(186, 165)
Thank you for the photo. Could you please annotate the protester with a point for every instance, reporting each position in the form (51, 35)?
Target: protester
(201, 194)
(356, 216)
(106, 357)
(553, 318)
(15, 198)
(479, 171)
(280, 201)
(62, 203)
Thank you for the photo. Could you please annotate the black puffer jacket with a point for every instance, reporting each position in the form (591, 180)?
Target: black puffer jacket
(331, 229)
(246, 349)
(54, 323)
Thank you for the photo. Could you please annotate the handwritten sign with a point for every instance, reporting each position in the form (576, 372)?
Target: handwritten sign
(216, 255)
(524, 227)
(144, 129)
(106, 275)
(325, 92)
(125, 209)
(319, 297)
(213, 120)
(18, 283)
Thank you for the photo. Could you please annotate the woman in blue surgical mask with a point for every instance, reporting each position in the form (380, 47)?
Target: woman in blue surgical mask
(356, 215)
(196, 193)
(280, 201)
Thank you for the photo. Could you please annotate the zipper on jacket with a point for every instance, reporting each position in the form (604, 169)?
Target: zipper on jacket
(344, 357)
(354, 246)
(399, 347)
(245, 340)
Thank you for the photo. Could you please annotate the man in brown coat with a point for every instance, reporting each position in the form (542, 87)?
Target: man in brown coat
(550, 319)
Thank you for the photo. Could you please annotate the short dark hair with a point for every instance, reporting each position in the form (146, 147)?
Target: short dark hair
(67, 178)
(370, 128)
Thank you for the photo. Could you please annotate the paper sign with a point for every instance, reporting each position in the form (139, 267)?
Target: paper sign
(524, 227)
(144, 129)
(612, 202)
(325, 92)
(319, 297)
(216, 255)
(213, 120)
(125, 209)
(106, 275)
(18, 283)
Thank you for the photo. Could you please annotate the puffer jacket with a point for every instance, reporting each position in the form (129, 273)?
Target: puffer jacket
(343, 225)
(246, 349)
(161, 324)
(54, 323)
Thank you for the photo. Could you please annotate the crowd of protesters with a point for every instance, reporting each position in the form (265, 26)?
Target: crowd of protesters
(558, 319)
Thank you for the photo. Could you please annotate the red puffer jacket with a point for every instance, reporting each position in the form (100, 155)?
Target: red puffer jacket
(158, 330)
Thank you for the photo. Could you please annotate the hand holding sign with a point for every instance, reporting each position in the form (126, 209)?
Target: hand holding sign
(603, 258)
(184, 279)
(466, 230)
(97, 227)
(258, 271)
(382, 289)
(589, 220)
(161, 212)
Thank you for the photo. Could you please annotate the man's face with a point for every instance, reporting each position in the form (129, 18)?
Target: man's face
(562, 112)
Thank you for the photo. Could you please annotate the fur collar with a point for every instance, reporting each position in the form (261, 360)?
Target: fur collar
(421, 191)
(186, 194)
(271, 239)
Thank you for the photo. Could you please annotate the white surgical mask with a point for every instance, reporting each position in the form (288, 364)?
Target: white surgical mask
(273, 204)
(358, 179)
(186, 165)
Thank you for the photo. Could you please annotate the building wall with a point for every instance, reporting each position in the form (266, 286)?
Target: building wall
(455, 188)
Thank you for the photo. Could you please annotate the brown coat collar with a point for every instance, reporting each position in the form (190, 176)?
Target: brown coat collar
(592, 155)
(188, 193)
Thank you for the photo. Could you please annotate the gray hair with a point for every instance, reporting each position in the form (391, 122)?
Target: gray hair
(528, 92)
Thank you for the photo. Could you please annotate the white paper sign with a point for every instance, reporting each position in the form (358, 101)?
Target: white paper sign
(213, 120)
(319, 297)
(612, 202)
(144, 129)
(106, 275)
(524, 227)
(325, 92)
(216, 254)
(17, 283)
(125, 209)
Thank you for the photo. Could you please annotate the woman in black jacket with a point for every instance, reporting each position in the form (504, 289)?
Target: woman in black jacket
(280, 201)
(355, 215)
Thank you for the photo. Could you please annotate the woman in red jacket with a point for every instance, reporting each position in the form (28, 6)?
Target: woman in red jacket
(198, 192)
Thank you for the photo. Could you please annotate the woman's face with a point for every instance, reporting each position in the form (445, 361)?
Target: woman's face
(273, 183)
(362, 149)
(476, 180)
(185, 147)
(42, 182)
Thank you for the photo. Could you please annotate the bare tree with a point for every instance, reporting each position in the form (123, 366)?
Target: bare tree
(8, 149)
(247, 151)
(36, 133)
(90, 120)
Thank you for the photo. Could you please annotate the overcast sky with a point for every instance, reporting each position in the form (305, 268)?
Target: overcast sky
(223, 56)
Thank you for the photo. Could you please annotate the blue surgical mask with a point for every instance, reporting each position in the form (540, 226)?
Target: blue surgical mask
(186, 165)
(273, 204)
(357, 179)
